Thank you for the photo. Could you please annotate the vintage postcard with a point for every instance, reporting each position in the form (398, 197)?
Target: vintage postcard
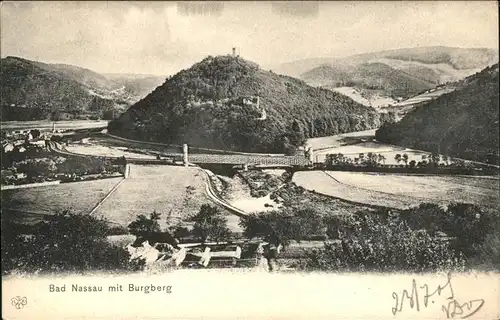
(250, 160)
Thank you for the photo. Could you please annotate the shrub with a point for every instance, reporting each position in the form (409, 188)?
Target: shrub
(181, 232)
(469, 224)
(145, 225)
(63, 242)
(210, 224)
(280, 227)
(385, 248)
(488, 251)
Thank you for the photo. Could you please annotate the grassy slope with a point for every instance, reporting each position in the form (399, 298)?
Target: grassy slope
(81, 197)
(400, 191)
(175, 191)
(44, 88)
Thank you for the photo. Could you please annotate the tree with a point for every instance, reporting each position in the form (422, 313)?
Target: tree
(413, 164)
(33, 168)
(65, 241)
(405, 159)
(331, 159)
(371, 159)
(181, 232)
(446, 159)
(428, 216)
(422, 164)
(341, 158)
(295, 135)
(144, 226)
(381, 158)
(280, 227)
(35, 133)
(307, 222)
(469, 223)
(398, 158)
(210, 224)
(435, 158)
(385, 248)
(340, 225)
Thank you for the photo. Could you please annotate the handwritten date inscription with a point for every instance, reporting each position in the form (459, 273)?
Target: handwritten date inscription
(452, 308)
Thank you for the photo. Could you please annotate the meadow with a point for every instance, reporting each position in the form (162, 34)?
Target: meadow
(354, 143)
(340, 139)
(31, 204)
(424, 97)
(172, 191)
(401, 191)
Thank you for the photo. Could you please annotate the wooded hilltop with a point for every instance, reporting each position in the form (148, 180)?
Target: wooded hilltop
(207, 106)
(462, 123)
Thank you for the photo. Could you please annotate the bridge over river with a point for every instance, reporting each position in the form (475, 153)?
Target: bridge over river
(195, 158)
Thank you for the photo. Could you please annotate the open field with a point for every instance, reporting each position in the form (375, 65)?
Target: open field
(424, 97)
(388, 151)
(168, 190)
(354, 143)
(340, 139)
(45, 125)
(29, 205)
(401, 191)
(373, 98)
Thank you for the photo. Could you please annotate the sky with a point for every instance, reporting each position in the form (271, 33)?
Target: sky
(163, 37)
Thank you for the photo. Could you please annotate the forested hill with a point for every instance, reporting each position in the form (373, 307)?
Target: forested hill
(32, 90)
(462, 123)
(205, 106)
(382, 78)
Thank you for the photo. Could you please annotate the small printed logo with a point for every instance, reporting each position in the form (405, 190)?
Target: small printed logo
(19, 302)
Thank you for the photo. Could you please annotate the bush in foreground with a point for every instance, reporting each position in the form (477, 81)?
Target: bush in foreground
(386, 248)
(210, 224)
(63, 242)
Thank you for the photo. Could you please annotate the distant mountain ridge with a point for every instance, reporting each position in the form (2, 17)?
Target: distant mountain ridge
(227, 102)
(462, 123)
(33, 90)
(400, 73)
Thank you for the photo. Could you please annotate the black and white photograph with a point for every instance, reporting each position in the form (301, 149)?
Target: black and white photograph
(313, 148)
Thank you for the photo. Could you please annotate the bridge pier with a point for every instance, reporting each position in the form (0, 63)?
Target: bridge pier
(309, 154)
(185, 154)
(127, 171)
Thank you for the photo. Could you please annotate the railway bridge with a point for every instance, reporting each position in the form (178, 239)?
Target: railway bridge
(243, 160)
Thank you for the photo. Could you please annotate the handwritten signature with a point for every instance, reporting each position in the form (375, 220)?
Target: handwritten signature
(452, 309)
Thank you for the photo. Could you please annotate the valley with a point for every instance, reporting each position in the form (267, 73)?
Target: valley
(248, 163)
(219, 160)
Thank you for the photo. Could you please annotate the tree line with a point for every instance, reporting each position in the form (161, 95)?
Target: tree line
(424, 238)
